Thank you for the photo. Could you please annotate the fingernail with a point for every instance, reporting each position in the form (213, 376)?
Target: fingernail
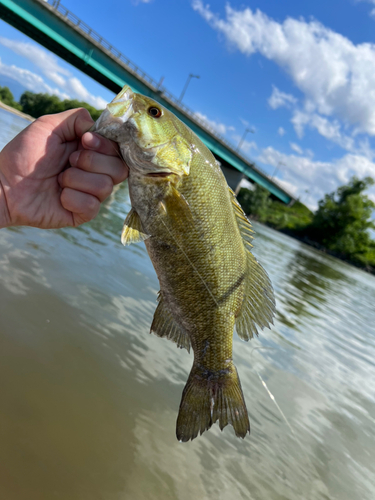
(91, 140)
(74, 158)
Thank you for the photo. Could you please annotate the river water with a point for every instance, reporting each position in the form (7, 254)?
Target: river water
(89, 399)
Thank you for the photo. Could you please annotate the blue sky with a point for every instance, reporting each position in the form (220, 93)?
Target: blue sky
(301, 75)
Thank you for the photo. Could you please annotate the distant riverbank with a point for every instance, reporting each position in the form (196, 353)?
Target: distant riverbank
(16, 112)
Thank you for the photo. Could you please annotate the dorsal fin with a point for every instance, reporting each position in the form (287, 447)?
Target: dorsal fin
(258, 306)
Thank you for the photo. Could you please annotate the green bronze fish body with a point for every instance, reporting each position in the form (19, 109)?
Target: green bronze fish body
(198, 240)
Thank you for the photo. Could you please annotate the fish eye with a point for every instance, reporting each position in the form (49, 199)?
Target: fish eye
(155, 112)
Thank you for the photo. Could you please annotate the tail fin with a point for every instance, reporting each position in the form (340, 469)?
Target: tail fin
(211, 396)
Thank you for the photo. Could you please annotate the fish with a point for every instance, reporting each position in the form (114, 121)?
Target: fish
(199, 241)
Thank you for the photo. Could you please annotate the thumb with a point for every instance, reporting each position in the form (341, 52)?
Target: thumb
(71, 124)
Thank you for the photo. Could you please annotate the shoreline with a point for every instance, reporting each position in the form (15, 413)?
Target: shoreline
(321, 248)
(5, 107)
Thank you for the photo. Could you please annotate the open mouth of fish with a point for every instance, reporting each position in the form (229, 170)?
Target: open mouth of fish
(117, 112)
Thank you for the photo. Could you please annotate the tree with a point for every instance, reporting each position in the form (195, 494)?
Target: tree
(6, 97)
(255, 202)
(74, 103)
(44, 104)
(343, 220)
(40, 104)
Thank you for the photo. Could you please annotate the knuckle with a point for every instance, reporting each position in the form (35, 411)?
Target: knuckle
(68, 177)
(65, 199)
(92, 206)
(86, 159)
(106, 186)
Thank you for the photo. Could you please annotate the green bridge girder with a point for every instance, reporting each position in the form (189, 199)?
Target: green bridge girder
(61, 32)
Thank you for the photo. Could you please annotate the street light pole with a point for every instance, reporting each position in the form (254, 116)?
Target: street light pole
(243, 138)
(186, 85)
(247, 130)
(277, 168)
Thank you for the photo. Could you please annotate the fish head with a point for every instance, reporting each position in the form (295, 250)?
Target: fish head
(152, 140)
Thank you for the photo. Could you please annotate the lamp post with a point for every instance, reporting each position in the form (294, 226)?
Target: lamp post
(247, 130)
(186, 85)
(243, 138)
(277, 168)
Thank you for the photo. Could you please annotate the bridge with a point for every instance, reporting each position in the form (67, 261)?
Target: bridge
(60, 31)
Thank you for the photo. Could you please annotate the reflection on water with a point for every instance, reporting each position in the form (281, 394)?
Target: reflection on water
(311, 282)
(89, 398)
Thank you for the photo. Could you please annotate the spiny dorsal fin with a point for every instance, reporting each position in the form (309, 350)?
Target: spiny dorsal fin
(258, 306)
(132, 231)
(163, 325)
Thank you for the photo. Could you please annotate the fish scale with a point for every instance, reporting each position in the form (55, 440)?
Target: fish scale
(199, 241)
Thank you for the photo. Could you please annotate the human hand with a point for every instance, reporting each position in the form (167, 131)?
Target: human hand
(53, 174)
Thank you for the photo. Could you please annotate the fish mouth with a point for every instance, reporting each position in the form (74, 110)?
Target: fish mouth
(121, 106)
(117, 112)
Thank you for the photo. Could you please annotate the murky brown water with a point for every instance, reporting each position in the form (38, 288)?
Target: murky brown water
(89, 399)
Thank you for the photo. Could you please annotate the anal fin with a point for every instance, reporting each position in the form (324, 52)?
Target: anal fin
(164, 325)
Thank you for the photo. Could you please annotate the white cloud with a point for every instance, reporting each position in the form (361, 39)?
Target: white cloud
(30, 80)
(296, 148)
(278, 99)
(45, 61)
(49, 66)
(336, 76)
(79, 91)
(218, 127)
(281, 131)
(329, 129)
(299, 174)
(372, 11)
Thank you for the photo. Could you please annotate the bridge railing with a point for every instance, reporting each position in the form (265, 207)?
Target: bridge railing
(130, 65)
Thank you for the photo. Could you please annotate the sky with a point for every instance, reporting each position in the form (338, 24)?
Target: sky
(300, 76)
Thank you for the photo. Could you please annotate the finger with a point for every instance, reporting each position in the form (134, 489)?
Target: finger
(70, 124)
(100, 144)
(84, 207)
(98, 185)
(90, 161)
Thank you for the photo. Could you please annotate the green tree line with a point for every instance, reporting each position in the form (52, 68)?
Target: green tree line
(44, 104)
(341, 224)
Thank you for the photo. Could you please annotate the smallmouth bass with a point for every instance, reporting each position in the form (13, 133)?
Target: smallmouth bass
(199, 241)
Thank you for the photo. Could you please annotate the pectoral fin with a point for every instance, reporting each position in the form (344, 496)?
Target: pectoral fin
(177, 209)
(163, 325)
(132, 231)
